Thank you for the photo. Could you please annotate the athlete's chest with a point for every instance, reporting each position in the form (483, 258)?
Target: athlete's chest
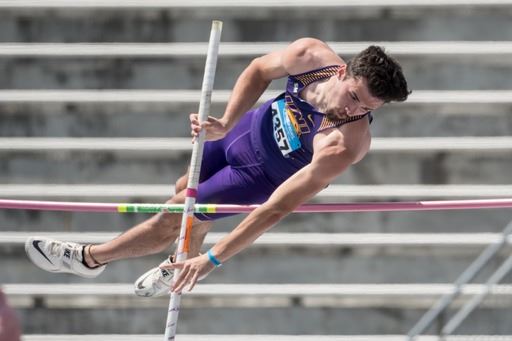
(294, 124)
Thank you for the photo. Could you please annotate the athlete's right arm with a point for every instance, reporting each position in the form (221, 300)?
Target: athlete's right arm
(300, 56)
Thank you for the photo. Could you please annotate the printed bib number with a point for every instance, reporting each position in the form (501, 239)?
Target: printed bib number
(284, 133)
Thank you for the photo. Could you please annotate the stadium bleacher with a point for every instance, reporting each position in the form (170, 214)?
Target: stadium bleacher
(93, 106)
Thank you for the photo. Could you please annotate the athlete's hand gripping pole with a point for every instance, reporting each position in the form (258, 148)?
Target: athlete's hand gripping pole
(193, 178)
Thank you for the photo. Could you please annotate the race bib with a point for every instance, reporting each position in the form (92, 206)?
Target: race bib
(284, 133)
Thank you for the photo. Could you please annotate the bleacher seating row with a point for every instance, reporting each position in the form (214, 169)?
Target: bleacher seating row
(359, 295)
(243, 3)
(145, 337)
(439, 240)
(245, 49)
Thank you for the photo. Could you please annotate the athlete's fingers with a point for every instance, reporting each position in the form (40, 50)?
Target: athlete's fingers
(194, 118)
(182, 278)
(190, 274)
(179, 279)
(194, 121)
(206, 124)
(193, 281)
(177, 265)
(194, 133)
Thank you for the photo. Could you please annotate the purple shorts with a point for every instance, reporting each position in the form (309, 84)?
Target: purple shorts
(232, 171)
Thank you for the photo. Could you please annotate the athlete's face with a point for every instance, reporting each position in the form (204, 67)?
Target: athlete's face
(350, 97)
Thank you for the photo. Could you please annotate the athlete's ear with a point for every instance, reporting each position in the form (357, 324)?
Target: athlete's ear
(342, 71)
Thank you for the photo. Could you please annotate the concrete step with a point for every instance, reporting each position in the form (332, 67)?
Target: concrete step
(271, 321)
(157, 193)
(426, 160)
(339, 258)
(445, 242)
(125, 113)
(143, 337)
(164, 146)
(140, 4)
(428, 65)
(180, 97)
(429, 118)
(163, 21)
(286, 315)
(291, 321)
(288, 321)
(52, 296)
(489, 220)
(237, 50)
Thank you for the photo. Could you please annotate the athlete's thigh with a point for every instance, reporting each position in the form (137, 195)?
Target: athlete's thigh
(214, 159)
(234, 186)
(234, 149)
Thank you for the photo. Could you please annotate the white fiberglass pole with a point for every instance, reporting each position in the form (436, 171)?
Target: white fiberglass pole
(193, 178)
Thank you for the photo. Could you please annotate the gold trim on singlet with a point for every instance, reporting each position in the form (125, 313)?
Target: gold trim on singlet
(327, 123)
(314, 76)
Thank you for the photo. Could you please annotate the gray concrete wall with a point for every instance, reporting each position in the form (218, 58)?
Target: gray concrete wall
(423, 72)
(152, 120)
(356, 24)
(251, 321)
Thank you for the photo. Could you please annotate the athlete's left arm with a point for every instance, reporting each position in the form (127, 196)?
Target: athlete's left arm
(330, 158)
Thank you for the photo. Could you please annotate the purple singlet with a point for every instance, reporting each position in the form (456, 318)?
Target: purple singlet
(267, 146)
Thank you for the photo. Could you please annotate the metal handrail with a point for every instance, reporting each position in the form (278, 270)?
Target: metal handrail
(427, 319)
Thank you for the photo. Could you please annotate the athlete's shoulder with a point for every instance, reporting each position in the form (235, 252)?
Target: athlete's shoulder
(307, 54)
(358, 138)
(352, 140)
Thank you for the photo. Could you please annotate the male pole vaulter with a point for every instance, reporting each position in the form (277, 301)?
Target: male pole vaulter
(280, 154)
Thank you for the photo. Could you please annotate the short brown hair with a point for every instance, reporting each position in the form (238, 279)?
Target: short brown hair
(383, 74)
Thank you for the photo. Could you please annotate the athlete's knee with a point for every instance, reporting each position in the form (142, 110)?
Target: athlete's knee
(178, 198)
(181, 184)
(165, 225)
(168, 224)
(201, 227)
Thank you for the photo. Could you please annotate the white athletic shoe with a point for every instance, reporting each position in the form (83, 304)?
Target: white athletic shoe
(155, 282)
(55, 256)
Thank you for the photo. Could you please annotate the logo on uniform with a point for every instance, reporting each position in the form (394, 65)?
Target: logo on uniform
(285, 134)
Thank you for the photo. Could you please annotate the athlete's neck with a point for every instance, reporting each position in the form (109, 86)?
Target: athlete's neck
(317, 93)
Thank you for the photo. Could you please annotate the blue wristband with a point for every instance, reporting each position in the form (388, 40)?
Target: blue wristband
(212, 259)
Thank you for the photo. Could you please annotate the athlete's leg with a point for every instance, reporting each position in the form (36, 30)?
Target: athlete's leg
(238, 185)
(152, 235)
(149, 237)
(158, 232)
